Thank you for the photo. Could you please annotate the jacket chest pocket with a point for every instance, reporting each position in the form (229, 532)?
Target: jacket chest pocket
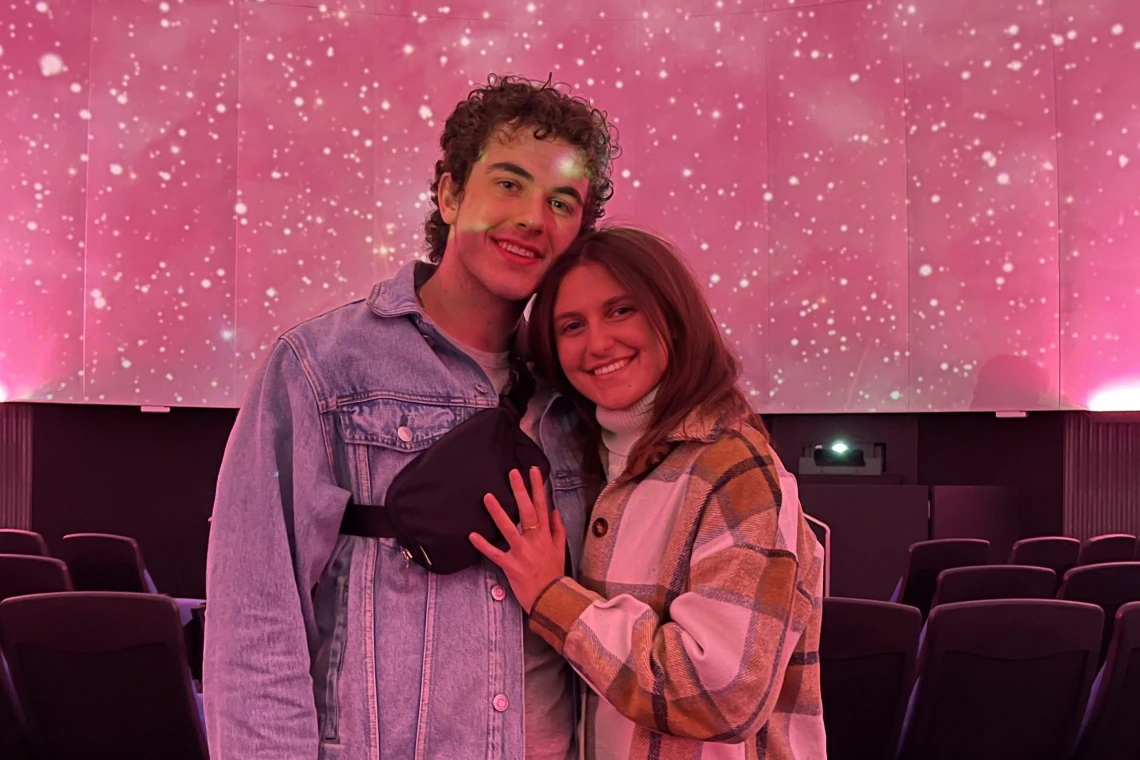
(383, 435)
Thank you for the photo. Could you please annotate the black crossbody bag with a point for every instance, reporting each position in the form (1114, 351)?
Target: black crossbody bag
(436, 501)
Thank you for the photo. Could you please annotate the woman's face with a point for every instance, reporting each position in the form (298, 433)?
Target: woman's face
(606, 344)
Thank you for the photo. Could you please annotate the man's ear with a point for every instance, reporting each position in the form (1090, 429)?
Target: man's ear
(449, 196)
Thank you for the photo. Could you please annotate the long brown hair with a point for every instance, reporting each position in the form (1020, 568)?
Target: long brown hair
(701, 372)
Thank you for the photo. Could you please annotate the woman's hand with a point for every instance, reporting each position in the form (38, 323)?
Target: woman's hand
(537, 554)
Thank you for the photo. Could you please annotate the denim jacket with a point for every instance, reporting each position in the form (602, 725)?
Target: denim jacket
(320, 645)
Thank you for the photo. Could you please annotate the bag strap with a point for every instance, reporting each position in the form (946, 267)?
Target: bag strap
(521, 385)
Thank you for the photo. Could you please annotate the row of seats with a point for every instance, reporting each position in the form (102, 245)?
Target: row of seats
(94, 561)
(993, 679)
(927, 559)
(63, 639)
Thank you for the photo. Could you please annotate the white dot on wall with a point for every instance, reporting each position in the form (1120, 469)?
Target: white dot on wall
(768, 197)
(926, 270)
(51, 64)
(1123, 160)
(1007, 267)
(1118, 29)
(795, 341)
(116, 169)
(206, 284)
(1003, 179)
(425, 112)
(936, 199)
(895, 395)
(854, 77)
(793, 180)
(240, 208)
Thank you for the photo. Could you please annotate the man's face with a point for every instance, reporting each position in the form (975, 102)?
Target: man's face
(521, 207)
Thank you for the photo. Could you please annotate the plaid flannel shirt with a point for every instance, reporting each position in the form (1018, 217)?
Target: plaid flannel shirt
(696, 619)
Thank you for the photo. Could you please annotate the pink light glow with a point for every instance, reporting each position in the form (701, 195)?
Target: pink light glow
(926, 206)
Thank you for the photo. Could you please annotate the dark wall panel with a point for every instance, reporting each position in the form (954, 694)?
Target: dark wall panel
(118, 470)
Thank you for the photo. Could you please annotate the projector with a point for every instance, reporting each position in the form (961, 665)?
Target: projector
(843, 458)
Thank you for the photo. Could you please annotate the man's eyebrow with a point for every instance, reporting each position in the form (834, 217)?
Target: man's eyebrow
(522, 173)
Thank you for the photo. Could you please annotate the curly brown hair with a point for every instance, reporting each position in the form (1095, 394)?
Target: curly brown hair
(522, 103)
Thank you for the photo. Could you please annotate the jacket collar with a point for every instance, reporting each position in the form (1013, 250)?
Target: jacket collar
(698, 426)
(397, 297)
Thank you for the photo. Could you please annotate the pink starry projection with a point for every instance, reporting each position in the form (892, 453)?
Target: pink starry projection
(894, 206)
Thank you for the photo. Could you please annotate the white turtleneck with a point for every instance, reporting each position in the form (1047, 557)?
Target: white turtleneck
(621, 430)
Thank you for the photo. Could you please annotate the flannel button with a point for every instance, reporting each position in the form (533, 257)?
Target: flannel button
(500, 702)
(404, 433)
(600, 527)
(498, 593)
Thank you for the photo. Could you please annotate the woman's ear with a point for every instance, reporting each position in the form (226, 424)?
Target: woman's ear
(450, 195)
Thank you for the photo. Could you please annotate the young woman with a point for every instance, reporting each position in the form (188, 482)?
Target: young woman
(695, 621)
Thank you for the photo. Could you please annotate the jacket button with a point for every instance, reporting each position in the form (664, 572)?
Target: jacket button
(498, 593)
(480, 387)
(404, 433)
(500, 702)
(600, 527)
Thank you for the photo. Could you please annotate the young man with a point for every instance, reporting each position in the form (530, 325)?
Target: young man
(326, 645)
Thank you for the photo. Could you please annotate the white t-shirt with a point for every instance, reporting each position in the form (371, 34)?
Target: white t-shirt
(548, 702)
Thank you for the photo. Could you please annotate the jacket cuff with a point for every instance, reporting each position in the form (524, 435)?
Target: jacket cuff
(557, 608)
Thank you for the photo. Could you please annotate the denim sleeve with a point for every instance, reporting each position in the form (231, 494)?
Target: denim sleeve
(276, 519)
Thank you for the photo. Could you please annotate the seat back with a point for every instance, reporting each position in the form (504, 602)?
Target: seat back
(927, 559)
(22, 574)
(22, 542)
(1111, 547)
(1109, 586)
(1058, 553)
(999, 679)
(15, 743)
(971, 584)
(867, 653)
(102, 674)
(1109, 732)
(822, 534)
(104, 562)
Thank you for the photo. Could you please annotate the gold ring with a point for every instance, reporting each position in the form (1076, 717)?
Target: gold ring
(525, 528)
